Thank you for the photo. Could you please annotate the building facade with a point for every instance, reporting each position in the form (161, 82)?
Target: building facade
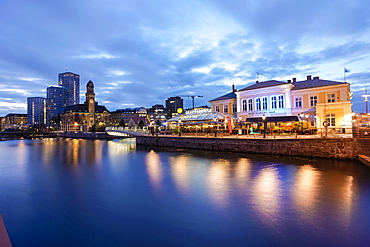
(37, 110)
(173, 104)
(89, 116)
(123, 116)
(312, 103)
(14, 121)
(71, 84)
(55, 95)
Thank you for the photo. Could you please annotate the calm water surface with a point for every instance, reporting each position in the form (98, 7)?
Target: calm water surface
(70, 192)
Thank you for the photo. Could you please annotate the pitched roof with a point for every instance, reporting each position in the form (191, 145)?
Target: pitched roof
(231, 95)
(264, 84)
(314, 83)
(84, 108)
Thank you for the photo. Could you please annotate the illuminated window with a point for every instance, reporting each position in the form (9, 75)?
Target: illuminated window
(330, 119)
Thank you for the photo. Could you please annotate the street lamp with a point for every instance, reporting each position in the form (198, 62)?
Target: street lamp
(307, 118)
(240, 126)
(264, 125)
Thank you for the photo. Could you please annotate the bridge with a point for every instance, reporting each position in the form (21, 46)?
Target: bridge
(126, 131)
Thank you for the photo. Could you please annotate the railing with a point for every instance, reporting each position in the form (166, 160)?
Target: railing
(125, 131)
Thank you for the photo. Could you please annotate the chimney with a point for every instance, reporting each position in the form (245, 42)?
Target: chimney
(257, 82)
(316, 78)
(294, 79)
(233, 88)
(289, 81)
(309, 78)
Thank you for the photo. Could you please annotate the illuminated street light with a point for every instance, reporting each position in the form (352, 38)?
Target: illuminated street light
(264, 125)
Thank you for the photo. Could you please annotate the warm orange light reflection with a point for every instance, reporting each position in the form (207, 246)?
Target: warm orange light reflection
(266, 194)
(154, 169)
(180, 172)
(242, 172)
(306, 189)
(218, 182)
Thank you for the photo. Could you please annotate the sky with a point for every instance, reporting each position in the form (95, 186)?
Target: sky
(138, 53)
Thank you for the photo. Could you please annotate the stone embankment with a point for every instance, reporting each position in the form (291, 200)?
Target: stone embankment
(336, 148)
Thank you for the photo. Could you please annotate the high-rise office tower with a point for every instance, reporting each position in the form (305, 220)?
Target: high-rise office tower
(71, 83)
(55, 94)
(37, 110)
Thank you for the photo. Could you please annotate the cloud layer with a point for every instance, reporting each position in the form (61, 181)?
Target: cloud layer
(139, 53)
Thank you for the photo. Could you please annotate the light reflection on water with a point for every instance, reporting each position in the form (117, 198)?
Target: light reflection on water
(112, 193)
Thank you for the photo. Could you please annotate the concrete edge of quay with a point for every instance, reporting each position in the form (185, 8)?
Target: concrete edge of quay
(364, 160)
(332, 148)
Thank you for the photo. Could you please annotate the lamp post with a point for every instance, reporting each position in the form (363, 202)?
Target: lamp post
(264, 125)
(307, 118)
(240, 126)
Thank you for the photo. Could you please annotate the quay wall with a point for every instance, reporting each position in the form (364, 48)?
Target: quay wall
(336, 148)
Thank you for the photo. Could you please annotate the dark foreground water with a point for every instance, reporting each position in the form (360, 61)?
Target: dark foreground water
(69, 192)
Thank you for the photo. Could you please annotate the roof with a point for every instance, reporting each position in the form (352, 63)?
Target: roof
(264, 84)
(138, 119)
(273, 119)
(84, 108)
(314, 83)
(231, 95)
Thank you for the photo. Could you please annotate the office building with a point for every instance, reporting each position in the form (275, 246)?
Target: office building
(37, 110)
(55, 95)
(71, 84)
(173, 104)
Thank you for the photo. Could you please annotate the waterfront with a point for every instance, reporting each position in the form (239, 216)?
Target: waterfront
(73, 192)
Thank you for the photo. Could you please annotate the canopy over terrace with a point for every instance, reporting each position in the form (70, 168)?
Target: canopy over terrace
(197, 117)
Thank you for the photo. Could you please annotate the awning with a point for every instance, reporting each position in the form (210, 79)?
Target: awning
(273, 119)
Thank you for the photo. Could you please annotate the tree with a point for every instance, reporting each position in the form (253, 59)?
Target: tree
(141, 124)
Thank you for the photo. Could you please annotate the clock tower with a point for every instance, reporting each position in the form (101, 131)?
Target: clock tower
(90, 97)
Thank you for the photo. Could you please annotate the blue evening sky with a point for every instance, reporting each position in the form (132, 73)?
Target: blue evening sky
(140, 52)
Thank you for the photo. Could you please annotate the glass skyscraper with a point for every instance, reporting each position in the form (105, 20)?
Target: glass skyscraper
(55, 94)
(71, 84)
(37, 110)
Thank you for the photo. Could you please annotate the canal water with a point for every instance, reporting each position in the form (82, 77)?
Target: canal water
(71, 192)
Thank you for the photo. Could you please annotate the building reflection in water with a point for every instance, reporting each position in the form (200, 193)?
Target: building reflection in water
(266, 195)
(180, 172)
(218, 182)
(154, 169)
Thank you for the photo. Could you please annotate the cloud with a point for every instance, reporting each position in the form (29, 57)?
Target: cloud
(139, 53)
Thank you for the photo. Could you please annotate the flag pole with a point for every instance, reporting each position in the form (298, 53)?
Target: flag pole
(344, 74)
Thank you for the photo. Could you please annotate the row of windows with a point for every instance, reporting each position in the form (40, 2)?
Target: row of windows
(313, 100)
(226, 108)
(276, 102)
